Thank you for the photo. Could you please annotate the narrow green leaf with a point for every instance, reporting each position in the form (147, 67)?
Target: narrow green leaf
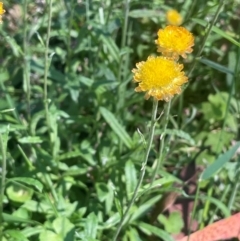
(13, 219)
(216, 66)
(30, 140)
(31, 231)
(219, 163)
(178, 133)
(226, 212)
(149, 230)
(130, 177)
(145, 13)
(118, 206)
(217, 30)
(7, 110)
(28, 181)
(116, 126)
(112, 47)
(112, 221)
(149, 204)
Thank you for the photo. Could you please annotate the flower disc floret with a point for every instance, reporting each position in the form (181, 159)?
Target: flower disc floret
(173, 17)
(159, 77)
(174, 41)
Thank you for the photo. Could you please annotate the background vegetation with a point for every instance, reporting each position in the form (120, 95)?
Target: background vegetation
(73, 130)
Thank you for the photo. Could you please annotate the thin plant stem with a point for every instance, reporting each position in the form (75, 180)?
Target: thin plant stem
(69, 49)
(234, 190)
(124, 37)
(209, 29)
(3, 151)
(26, 69)
(46, 65)
(144, 165)
(162, 142)
(194, 209)
(190, 10)
(125, 26)
(224, 195)
(123, 58)
(206, 207)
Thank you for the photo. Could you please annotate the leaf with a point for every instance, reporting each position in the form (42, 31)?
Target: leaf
(216, 66)
(14, 219)
(172, 224)
(145, 13)
(118, 206)
(4, 131)
(15, 235)
(221, 230)
(7, 110)
(28, 181)
(19, 193)
(149, 204)
(102, 191)
(112, 221)
(112, 47)
(30, 139)
(219, 163)
(149, 230)
(49, 235)
(130, 177)
(116, 126)
(217, 30)
(63, 227)
(178, 133)
(31, 231)
(91, 226)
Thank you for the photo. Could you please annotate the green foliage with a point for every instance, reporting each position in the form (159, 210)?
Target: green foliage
(72, 153)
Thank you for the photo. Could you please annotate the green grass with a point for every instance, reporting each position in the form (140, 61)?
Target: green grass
(74, 133)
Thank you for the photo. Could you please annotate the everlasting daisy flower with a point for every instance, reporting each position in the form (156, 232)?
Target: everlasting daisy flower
(2, 11)
(160, 77)
(173, 17)
(174, 41)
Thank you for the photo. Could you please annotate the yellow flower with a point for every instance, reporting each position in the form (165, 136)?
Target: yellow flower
(160, 77)
(174, 41)
(173, 17)
(2, 11)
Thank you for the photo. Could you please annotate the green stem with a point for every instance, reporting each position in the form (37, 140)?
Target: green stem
(162, 140)
(69, 49)
(149, 144)
(206, 207)
(124, 37)
(46, 65)
(194, 209)
(2, 184)
(26, 68)
(235, 189)
(209, 29)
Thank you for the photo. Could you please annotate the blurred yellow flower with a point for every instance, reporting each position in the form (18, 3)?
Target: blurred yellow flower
(174, 41)
(2, 11)
(173, 17)
(160, 77)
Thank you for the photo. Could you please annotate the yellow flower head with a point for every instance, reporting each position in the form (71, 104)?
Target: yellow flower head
(173, 17)
(2, 11)
(174, 41)
(160, 77)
